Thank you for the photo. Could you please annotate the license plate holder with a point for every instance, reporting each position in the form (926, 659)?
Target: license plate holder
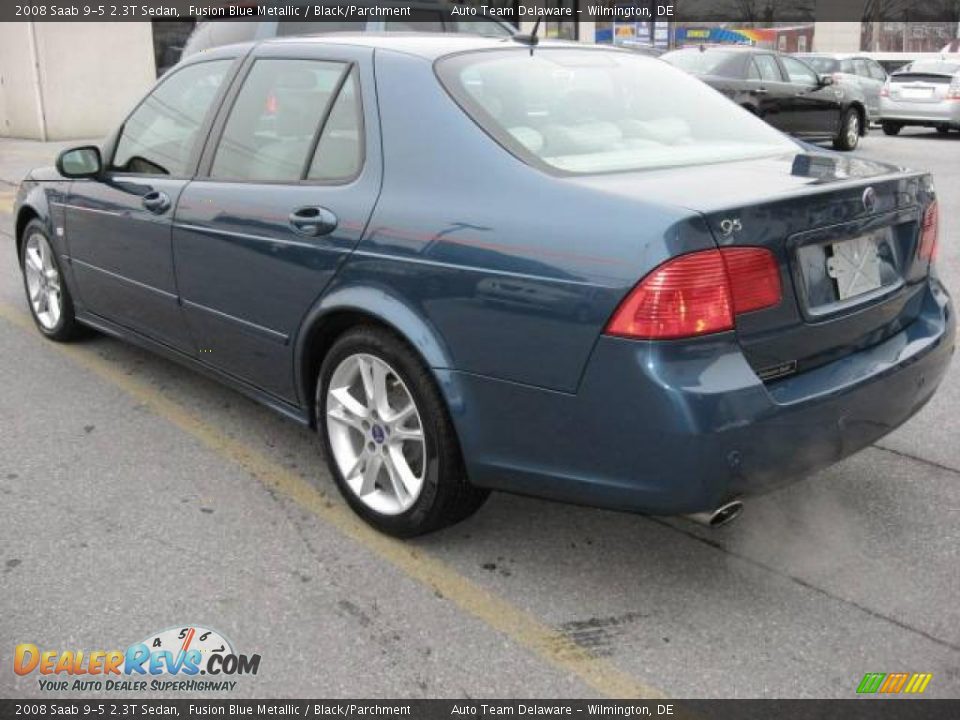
(854, 266)
(921, 93)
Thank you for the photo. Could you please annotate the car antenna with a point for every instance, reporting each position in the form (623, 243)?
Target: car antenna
(530, 39)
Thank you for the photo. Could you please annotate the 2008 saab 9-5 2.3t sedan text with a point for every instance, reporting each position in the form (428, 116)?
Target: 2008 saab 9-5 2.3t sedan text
(474, 264)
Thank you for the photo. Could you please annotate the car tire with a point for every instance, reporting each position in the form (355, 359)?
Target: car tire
(48, 296)
(890, 128)
(943, 129)
(401, 481)
(849, 135)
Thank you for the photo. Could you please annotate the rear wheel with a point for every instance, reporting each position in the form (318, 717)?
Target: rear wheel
(47, 293)
(388, 439)
(891, 128)
(849, 134)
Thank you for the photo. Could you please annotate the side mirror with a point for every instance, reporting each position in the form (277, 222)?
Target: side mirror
(80, 162)
(826, 80)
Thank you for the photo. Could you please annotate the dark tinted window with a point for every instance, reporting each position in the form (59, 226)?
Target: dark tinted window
(418, 21)
(159, 136)
(725, 63)
(274, 120)
(339, 153)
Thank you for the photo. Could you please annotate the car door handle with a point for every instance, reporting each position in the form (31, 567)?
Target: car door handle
(313, 220)
(759, 91)
(156, 202)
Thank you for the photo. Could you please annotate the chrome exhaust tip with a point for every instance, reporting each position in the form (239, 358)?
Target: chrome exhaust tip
(719, 516)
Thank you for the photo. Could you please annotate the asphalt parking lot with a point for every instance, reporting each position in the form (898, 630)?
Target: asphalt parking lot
(136, 495)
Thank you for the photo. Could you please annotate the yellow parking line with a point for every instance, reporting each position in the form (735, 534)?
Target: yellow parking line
(497, 612)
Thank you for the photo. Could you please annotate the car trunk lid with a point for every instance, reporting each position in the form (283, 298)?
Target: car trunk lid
(921, 87)
(844, 232)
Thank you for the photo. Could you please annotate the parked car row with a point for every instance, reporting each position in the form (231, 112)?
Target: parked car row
(829, 96)
(786, 92)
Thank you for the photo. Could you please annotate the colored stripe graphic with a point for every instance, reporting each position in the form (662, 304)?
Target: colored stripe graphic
(892, 683)
(871, 682)
(918, 682)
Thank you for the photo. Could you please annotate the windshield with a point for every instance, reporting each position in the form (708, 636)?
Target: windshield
(823, 65)
(592, 111)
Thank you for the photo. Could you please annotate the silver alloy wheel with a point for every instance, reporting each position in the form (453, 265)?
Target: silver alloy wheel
(853, 129)
(43, 281)
(375, 433)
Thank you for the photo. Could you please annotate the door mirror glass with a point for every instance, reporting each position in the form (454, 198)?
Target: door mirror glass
(80, 162)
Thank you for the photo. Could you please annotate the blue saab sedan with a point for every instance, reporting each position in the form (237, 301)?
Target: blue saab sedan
(484, 264)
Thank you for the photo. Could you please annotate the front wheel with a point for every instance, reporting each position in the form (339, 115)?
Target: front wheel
(849, 134)
(388, 439)
(891, 128)
(47, 294)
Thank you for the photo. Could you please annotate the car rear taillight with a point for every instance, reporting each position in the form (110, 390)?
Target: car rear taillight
(953, 92)
(698, 294)
(928, 233)
(885, 90)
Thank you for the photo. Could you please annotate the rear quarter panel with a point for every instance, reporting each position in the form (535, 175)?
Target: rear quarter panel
(513, 270)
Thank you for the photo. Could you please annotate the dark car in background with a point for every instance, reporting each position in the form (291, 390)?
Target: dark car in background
(784, 91)
(925, 93)
(425, 16)
(471, 266)
(851, 68)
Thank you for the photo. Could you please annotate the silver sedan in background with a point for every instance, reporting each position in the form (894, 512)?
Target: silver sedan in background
(851, 69)
(926, 93)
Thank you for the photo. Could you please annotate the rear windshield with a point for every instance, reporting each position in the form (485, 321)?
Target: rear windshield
(593, 111)
(708, 62)
(931, 67)
(823, 65)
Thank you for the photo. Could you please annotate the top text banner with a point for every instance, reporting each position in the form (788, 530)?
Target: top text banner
(338, 11)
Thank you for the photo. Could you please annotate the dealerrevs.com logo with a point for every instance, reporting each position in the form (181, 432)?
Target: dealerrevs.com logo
(188, 658)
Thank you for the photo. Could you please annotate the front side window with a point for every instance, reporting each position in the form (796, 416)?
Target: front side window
(590, 111)
(275, 119)
(799, 72)
(159, 136)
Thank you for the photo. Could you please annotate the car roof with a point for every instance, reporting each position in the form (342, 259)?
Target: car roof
(426, 45)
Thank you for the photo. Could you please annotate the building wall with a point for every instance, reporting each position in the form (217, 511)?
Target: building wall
(65, 81)
(836, 37)
(19, 112)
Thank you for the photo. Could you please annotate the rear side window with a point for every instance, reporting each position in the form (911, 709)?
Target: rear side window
(273, 124)
(159, 136)
(876, 72)
(769, 70)
(339, 153)
(863, 70)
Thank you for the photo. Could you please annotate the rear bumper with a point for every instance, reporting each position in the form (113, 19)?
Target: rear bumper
(678, 427)
(945, 112)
